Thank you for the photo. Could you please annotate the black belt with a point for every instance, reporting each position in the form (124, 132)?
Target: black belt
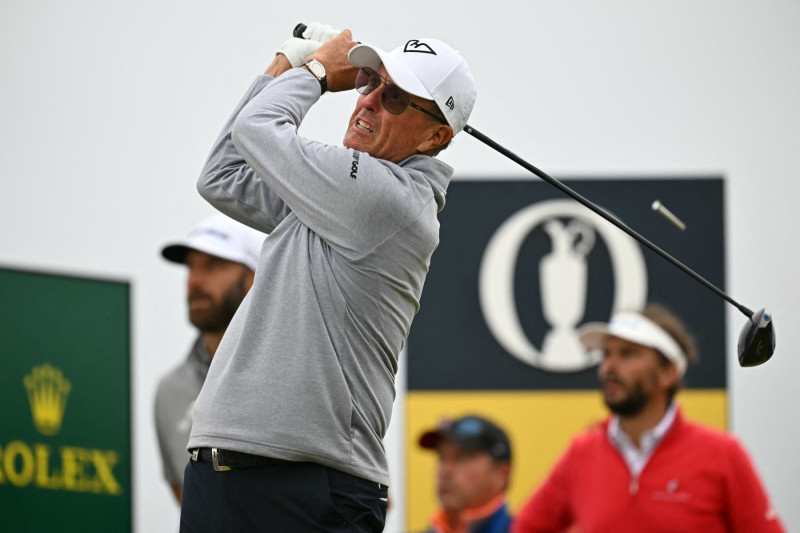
(226, 459)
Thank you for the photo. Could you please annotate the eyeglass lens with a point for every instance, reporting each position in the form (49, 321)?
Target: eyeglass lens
(393, 98)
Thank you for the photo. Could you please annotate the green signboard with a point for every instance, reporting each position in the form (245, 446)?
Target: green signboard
(65, 439)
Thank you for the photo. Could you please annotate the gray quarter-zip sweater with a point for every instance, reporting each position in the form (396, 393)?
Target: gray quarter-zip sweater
(306, 369)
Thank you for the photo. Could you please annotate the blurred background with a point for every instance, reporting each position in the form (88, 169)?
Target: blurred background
(108, 110)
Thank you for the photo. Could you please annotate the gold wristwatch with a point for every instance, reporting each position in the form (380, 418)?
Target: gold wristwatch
(318, 70)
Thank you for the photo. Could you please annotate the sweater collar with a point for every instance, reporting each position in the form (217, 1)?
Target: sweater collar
(636, 458)
(436, 172)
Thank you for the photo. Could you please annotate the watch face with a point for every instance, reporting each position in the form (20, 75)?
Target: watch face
(316, 68)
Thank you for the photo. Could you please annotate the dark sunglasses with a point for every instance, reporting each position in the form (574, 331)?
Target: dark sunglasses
(393, 99)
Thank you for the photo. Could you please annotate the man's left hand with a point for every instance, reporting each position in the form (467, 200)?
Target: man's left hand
(340, 73)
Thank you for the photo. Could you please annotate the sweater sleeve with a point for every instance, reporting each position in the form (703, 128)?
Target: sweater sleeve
(232, 186)
(748, 506)
(352, 200)
(548, 510)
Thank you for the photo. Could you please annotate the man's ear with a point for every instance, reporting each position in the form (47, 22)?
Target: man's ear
(437, 137)
(503, 475)
(669, 376)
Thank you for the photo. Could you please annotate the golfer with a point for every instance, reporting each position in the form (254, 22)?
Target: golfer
(288, 427)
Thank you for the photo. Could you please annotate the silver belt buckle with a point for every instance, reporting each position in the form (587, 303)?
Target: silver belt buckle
(215, 461)
(195, 454)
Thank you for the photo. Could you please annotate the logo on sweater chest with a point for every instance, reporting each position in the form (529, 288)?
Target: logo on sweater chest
(354, 165)
(672, 492)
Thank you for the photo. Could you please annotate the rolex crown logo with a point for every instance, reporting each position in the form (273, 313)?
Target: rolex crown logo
(47, 393)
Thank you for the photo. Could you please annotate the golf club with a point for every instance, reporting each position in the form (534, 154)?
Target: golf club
(757, 338)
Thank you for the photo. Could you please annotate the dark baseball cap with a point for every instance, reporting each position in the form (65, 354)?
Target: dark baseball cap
(471, 433)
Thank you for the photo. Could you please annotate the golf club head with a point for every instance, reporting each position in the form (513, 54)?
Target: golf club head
(757, 339)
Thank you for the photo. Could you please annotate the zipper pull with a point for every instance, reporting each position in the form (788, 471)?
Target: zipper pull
(633, 487)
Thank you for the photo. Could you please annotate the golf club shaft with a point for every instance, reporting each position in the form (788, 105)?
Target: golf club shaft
(600, 211)
(298, 32)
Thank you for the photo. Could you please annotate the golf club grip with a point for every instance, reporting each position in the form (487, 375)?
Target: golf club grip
(600, 211)
(300, 28)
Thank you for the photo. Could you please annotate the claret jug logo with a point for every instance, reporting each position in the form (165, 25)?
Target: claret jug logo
(47, 393)
(563, 276)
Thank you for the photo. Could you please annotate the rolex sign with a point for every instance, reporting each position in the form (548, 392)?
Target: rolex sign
(65, 396)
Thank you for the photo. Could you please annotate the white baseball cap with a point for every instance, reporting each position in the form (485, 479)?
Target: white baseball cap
(429, 69)
(220, 236)
(637, 328)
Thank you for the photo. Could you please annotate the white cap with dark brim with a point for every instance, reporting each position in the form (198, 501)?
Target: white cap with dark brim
(222, 237)
(636, 328)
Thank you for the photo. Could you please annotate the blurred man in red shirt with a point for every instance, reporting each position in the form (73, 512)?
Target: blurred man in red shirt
(647, 468)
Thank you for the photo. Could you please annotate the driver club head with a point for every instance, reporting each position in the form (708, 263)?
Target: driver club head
(757, 339)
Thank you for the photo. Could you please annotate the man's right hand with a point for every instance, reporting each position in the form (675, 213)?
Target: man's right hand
(297, 50)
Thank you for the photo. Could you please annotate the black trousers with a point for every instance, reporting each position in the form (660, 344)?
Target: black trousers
(285, 497)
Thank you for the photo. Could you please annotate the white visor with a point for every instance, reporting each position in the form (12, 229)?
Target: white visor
(635, 328)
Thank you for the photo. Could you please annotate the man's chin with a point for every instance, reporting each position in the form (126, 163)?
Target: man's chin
(450, 505)
(354, 143)
(624, 406)
(205, 323)
(611, 399)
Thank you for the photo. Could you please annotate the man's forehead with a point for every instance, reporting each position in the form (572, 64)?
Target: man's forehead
(449, 445)
(200, 256)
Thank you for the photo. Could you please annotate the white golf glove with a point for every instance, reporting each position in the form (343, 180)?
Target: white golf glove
(297, 50)
(320, 32)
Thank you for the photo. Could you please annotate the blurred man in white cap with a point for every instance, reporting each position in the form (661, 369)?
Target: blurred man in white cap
(647, 468)
(221, 256)
(300, 394)
(472, 476)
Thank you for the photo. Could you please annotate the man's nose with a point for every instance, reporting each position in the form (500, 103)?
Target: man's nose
(372, 100)
(607, 363)
(195, 279)
(445, 469)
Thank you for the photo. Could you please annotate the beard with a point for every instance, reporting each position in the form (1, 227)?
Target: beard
(631, 403)
(217, 316)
